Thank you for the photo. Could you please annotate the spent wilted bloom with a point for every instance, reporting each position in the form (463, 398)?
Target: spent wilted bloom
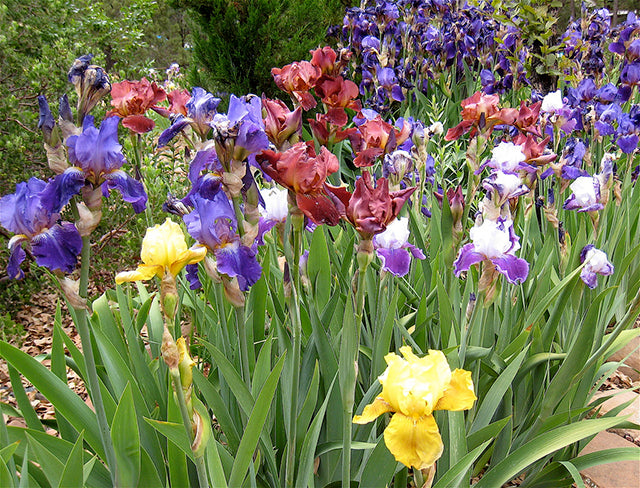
(412, 388)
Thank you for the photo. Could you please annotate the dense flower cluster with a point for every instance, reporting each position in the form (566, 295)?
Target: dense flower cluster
(401, 45)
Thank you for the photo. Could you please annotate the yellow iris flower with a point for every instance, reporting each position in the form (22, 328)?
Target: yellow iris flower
(412, 388)
(164, 250)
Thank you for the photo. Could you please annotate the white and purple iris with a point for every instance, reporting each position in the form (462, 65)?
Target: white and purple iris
(504, 186)
(494, 241)
(595, 263)
(590, 192)
(27, 213)
(508, 158)
(393, 248)
(274, 209)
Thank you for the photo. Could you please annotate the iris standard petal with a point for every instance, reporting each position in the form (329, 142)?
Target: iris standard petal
(459, 395)
(188, 256)
(414, 441)
(60, 189)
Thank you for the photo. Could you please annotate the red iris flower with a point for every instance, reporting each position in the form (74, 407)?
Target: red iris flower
(535, 152)
(281, 124)
(304, 173)
(370, 209)
(374, 138)
(478, 111)
(131, 99)
(297, 79)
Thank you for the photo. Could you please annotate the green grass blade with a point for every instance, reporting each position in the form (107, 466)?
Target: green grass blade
(126, 439)
(71, 474)
(254, 426)
(491, 401)
(58, 393)
(541, 446)
(307, 453)
(453, 475)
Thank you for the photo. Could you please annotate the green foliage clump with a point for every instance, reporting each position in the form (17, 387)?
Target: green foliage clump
(237, 43)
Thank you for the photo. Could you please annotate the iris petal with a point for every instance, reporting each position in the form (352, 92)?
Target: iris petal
(373, 411)
(58, 248)
(142, 273)
(459, 394)
(414, 441)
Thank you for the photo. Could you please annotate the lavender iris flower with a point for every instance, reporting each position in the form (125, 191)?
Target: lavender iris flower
(240, 132)
(96, 158)
(393, 248)
(595, 263)
(212, 223)
(55, 244)
(496, 242)
(201, 109)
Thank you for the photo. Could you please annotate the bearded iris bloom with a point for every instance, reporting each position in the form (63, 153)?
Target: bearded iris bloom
(494, 242)
(131, 99)
(96, 158)
(596, 263)
(164, 251)
(200, 111)
(302, 171)
(28, 215)
(412, 389)
(370, 208)
(213, 224)
(393, 248)
(240, 132)
(591, 193)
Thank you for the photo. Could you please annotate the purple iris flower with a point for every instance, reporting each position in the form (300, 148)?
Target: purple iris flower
(212, 223)
(628, 144)
(494, 241)
(54, 244)
(96, 158)
(595, 263)
(201, 108)
(393, 248)
(240, 132)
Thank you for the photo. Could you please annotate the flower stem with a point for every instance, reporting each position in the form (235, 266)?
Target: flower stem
(244, 350)
(351, 341)
(92, 373)
(292, 251)
(184, 413)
